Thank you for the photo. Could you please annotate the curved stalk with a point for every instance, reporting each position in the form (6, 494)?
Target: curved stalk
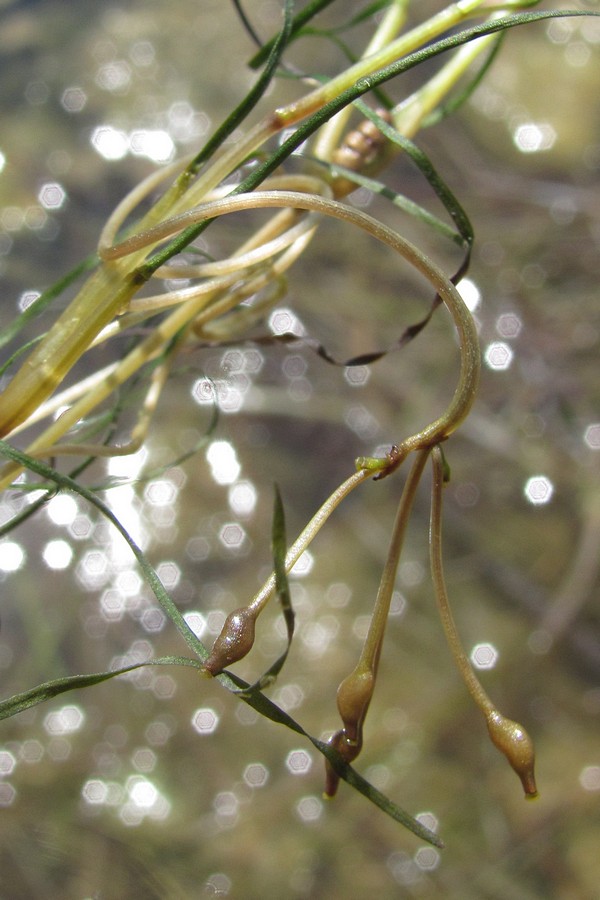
(436, 431)
(466, 389)
(508, 736)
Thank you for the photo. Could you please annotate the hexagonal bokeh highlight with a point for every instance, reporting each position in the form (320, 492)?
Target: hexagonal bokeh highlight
(498, 356)
(427, 858)
(65, 720)
(508, 325)
(52, 195)
(357, 376)
(484, 656)
(285, 321)
(298, 762)
(591, 436)
(256, 775)
(7, 763)
(309, 809)
(232, 536)
(538, 490)
(205, 720)
(73, 99)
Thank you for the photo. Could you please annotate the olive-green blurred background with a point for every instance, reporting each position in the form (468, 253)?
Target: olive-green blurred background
(517, 571)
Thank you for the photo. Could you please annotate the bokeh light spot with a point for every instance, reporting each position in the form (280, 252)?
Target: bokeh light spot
(57, 554)
(109, 142)
(284, 321)
(12, 556)
(298, 762)
(7, 763)
(169, 574)
(52, 195)
(7, 794)
(589, 778)
(256, 775)
(115, 76)
(95, 792)
(303, 566)
(217, 885)
(357, 376)
(66, 720)
(484, 656)
(73, 99)
(242, 498)
(205, 721)
(155, 144)
(161, 492)
(310, 808)
(232, 535)
(534, 137)
(153, 619)
(222, 459)
(62, 509)
(196, 622)
(508, 325)
(538, 490)
(427, 858)
(498, 356)
(470, 293)
(592, 436)
(31, 751)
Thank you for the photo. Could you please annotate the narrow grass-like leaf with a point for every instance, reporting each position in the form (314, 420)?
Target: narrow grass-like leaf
(252, 696)
(247, 23)
(271, 711)
(235, 118)
(461, 97)
(152, 579)
(399, 200)
(305, 15)
(426, 167)
(18, 703)
(50, 689)
(362, 86)
(282, 589)
(45, 299)
(25, 348)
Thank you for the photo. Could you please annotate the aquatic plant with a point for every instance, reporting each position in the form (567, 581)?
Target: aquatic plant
(301, 159)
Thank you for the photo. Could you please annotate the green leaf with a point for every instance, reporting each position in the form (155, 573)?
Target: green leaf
(282, 588)
(152, 579)
(269, 710)
(235, 118)
(43, 301)
(305, 15)
(50, 689)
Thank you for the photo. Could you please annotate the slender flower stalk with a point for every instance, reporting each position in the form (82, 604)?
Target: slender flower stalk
(508, 736)
(356, 690)
(237, 635)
